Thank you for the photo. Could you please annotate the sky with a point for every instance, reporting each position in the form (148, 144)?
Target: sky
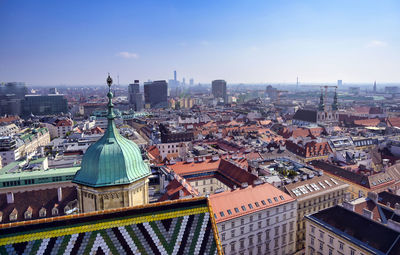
(79, 42)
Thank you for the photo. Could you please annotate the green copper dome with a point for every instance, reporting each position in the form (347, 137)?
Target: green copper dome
(112, 160)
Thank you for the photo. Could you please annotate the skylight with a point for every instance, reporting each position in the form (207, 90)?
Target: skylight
(276, 199)
(263, 202)
(250, 206)
(281, 197)
(236, 209)
(229, 212)
(269, 201)
(222, 214)
(243, 208)
(257, 204)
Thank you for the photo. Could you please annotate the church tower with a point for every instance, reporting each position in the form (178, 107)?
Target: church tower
(113, 173)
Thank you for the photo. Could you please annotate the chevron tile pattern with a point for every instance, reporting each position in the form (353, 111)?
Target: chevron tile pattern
(190, 234)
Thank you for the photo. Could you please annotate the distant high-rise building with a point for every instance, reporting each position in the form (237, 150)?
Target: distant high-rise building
(155, 94)
(339, 83)
(135, 97)
(11, 96)
(175, 75)
(183, 81)
(50, 104)
(374, 86)
(219, 89)
(191, 82)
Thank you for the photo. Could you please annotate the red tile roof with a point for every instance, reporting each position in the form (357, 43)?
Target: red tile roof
(229, 200)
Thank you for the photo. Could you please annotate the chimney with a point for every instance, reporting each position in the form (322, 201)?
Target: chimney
(10, 198)
(397, 208)
(349, 206)
(367, 213)
(59, 194)
(373, 196)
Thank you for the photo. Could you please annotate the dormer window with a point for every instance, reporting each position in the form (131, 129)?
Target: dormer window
(54, 211)
(14, 215)
(28, 213)
(42, 212)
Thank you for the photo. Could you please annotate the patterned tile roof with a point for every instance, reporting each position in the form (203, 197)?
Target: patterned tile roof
(174, 227)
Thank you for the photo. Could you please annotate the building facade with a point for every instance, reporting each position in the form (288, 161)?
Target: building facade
(135, 97)
(45, 104)
(258, 219)
(218, 88)
(312, 196)
(155, 94)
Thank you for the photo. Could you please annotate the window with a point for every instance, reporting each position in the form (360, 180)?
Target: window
(276, 242)
(222, 214)
(257, 204)
(251, 218)
(291, 225)
(267, 222)
(269, 201)
(233, 246)
(276, 199)
(312, 229)
(283, 239)
(321, 234)
(233, 224)
(241, 241)
(311, 240)
(259, 235)
(341, 245)
(284, 228)
(259, 216)
(223, 236)
(232, 233)
(352, 251)
(242, 221)
(243, 208)
(321, 245)
(330, 239)
(263, 202)
(223, 227)
(251, 227)
(242, 230)
(330, 251)
(281, 197)
(236, 210)
(276, 230)
(259, 224)
(251, 240)
(267, 234)
(230, 213)
(250, 206)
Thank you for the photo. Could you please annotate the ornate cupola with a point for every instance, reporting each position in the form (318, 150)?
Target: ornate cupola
(113, 173)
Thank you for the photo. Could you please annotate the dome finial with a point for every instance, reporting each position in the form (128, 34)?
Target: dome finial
(109, 80)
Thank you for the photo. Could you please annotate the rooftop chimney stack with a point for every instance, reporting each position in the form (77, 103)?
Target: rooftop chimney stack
(10, 198)
(59, 194)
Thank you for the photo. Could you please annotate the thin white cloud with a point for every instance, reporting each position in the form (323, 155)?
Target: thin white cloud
(376, 44)
(205, 43)
(125, 54)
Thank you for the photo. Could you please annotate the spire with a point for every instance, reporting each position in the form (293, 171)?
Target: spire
(335, 104)
(321, 106)
(110, 115)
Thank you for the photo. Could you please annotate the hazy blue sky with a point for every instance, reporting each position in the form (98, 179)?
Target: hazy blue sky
(78, 42)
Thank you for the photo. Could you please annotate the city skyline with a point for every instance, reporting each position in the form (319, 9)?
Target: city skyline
(73, 43)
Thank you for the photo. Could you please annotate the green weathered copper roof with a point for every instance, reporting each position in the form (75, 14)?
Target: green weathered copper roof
(112, 160)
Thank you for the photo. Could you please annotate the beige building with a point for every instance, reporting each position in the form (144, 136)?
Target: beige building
(314, 195)
(338, 231)
(256, 219)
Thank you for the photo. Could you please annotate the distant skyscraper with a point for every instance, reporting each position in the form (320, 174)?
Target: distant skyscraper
(191, 82)
(339, 83)
(219, 89)
(183, 82)
(374, 86)
(11, 96)
(135, 97)
(155, 94)
(175, 76)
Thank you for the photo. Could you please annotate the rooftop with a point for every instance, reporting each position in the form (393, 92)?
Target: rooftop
(361, 231)
(235, 203)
